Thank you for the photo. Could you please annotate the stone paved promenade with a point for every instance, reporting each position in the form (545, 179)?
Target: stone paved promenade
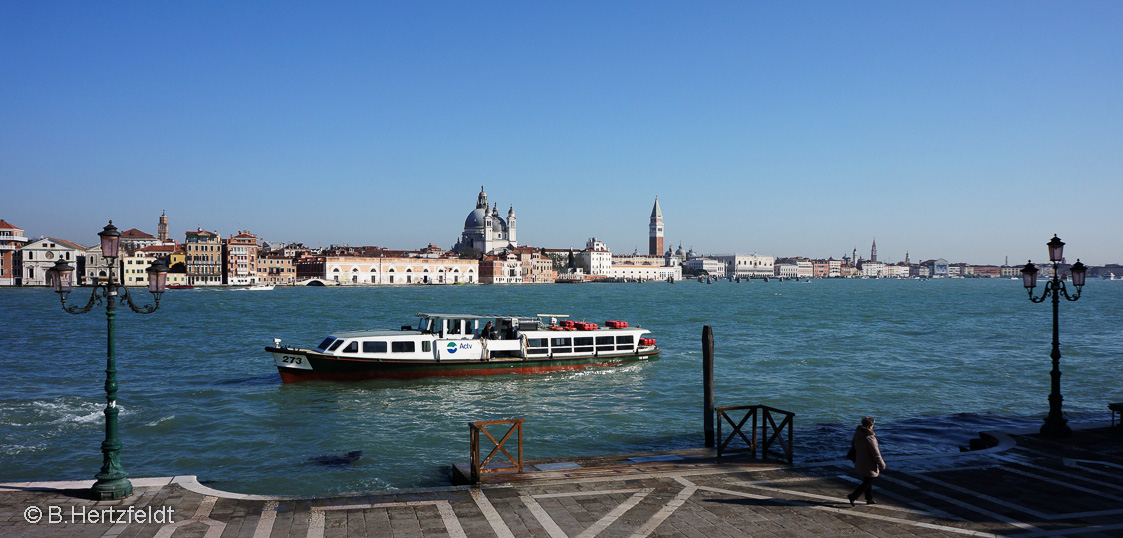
(1026, 486)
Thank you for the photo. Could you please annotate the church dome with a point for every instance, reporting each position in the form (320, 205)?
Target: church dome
(475, 219)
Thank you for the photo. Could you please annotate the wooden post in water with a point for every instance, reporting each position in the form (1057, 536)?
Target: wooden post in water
(708, 382)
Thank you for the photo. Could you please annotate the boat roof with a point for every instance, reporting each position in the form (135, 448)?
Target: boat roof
(427, 315)
(373, 332)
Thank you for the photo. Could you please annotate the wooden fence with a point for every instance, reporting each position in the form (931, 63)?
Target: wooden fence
(771, 434)
(481, 467)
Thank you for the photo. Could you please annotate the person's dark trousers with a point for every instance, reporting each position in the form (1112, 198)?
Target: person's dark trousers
(866, 487)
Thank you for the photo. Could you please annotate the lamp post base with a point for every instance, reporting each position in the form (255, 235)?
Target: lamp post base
(1055, 429)
(111, 489)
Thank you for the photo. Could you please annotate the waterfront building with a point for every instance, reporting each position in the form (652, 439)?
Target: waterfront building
(786, 268)
(872, 269)
(503, 268)
(536, 265)
(644, 272)
(11, 260)
(710, 266)
(834, 268)
(203, 258)
(655, 231)
(806, 268)
(935, 268)
(485, 232)
(134, 267)
(276, 269)
(396, 269)
(40, 256)
(239, 262)
(596, 259)
(748, 266)
(897, 270)
(987, 271)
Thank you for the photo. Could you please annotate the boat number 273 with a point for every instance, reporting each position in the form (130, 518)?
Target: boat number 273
(288, 359)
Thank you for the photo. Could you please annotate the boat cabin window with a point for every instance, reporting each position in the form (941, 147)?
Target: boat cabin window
(537, 346)
(425, 325)
(454, 327)
(336, 345)
(625, 342)
(561, 345)
(327, 342)
(402, 347)
(583, 344)
(353, 347)
(374, 347)
(606, 343)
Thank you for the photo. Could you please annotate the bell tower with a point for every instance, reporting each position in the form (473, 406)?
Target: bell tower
(655, 231)
(162, 233)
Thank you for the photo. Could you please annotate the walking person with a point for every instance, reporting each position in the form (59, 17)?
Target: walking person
(867, 460)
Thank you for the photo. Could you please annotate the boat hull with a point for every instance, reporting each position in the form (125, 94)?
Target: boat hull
(301, 365)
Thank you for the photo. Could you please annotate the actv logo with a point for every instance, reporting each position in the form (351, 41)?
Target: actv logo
(451, 347)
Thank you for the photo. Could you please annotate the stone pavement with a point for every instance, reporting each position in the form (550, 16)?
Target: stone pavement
(1025, 486)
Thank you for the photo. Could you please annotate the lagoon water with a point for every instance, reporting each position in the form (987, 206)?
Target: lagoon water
(935, 361)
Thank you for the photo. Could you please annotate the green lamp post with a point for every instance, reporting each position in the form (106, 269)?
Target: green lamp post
(112, 480)
(1056, 426)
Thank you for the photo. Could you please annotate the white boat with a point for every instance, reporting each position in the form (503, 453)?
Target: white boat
(465, 344)
(260, 287)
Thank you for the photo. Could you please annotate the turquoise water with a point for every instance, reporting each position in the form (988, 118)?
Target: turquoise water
(935, 361)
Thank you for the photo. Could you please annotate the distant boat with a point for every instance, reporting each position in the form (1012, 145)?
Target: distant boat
(181, 287)
(261, 287)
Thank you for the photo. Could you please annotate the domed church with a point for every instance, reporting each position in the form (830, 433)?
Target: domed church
(485, 231)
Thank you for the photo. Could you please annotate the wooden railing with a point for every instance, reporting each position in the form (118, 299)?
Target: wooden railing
(481, 467)
(770, 433)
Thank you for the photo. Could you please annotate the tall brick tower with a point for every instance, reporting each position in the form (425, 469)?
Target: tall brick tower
(655, 231)
(873, 251)
(162, 233)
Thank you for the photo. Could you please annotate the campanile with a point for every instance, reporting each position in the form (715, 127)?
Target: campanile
(655, 231)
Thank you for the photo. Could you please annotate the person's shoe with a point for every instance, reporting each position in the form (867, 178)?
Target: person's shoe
(871, 501)
(851, 499)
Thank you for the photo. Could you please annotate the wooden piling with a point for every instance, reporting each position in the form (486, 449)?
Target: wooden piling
(708, 382)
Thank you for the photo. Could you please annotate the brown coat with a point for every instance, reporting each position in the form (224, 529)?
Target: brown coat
(867, 461)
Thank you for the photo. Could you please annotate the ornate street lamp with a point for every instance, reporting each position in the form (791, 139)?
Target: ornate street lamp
(1055, 426)
(112, 481)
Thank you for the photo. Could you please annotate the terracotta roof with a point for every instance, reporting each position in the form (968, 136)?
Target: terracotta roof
(157, 248)
(4, 224)
(135, 234)
(70, 244)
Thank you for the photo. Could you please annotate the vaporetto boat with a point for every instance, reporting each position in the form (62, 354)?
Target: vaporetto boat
(463, 345)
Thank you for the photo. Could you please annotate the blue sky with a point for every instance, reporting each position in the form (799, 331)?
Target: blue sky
(965, 130)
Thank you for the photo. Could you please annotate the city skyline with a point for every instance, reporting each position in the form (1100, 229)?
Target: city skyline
(967, 132)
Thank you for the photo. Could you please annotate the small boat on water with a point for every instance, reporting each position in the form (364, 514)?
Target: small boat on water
(463, 345)
(260, 287)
